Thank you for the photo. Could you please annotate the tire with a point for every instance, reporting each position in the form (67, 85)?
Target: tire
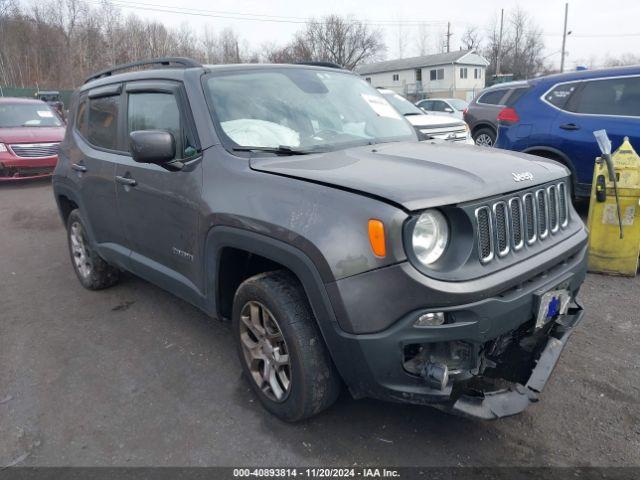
(310, 382)
(92, 271)
(484, 137)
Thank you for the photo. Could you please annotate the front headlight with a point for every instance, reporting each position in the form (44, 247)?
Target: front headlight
(468, 130)
(3, 148)
(430, 237)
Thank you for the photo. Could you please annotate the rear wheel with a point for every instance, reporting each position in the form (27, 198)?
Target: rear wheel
(485, 137)
(282, 352)
(92, 271)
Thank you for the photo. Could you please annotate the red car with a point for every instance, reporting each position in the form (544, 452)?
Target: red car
(30, 132)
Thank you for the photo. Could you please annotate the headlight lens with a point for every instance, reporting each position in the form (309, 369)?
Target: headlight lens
(3, 147)
(430, 237)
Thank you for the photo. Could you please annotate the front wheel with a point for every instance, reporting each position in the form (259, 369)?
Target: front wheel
(92, 271)
(485, 137)
(281, 350)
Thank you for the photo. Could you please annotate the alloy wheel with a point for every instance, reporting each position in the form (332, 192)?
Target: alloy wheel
(81, 257)
(265, 351)
(484, 140)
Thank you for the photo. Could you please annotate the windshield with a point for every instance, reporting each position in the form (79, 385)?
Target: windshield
(306, 109)
(458, 104)
(27, 115)
(404, 106)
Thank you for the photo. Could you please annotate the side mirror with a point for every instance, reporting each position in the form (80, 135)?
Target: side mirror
(152, 146)
(448, 109)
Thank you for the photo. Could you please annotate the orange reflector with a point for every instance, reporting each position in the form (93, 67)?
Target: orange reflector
(376, 238)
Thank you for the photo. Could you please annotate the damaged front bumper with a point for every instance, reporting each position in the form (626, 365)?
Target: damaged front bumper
(516, 397)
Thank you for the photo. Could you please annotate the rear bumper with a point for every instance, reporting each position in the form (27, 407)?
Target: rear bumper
(16, 169)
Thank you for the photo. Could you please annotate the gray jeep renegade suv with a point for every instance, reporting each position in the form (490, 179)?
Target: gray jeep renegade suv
(296, 202)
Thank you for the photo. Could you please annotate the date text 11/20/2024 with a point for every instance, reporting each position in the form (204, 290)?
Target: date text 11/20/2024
(315, 473)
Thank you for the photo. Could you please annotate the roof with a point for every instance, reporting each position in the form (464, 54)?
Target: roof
(20, 100)
(588, 74)
(424, 61)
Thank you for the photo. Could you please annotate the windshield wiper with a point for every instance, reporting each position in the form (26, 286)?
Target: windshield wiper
(281, 150)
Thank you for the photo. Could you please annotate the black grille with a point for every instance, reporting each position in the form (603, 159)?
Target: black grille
(524, 217)
(35, 150)
(542, 213)
(484, 234)
(516, 222)
(502, 232)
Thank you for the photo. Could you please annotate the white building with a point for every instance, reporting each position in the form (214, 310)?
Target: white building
(459, 74)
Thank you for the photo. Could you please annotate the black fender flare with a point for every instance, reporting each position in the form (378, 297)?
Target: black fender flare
(294, 259)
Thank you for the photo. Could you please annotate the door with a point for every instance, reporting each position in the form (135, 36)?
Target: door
(97, 151)
(612, 104)
(159, 208)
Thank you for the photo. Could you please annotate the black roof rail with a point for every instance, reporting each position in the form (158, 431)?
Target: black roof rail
(161, 62)
(321, 64)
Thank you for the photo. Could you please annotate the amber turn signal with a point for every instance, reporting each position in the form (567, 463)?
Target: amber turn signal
(376, 238)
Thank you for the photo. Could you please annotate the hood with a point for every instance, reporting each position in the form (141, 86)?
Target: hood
(31, 135)
(433, 120)
(418, 175)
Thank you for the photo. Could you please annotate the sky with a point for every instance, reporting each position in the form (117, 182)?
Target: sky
(598, 28)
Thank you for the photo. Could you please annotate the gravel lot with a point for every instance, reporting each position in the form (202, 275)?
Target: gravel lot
(135, 376)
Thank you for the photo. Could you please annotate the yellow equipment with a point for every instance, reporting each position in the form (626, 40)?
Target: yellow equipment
(614, 247)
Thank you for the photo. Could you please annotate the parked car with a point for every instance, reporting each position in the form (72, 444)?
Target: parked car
(453, 107)
(429, 126)
(342, 249)
(481, 114)
(30, 132)
(555, 117)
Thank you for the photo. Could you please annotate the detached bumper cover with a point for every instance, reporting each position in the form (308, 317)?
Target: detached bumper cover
(492, 405)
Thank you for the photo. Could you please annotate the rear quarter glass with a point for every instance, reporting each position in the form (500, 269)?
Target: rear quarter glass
(515, 95)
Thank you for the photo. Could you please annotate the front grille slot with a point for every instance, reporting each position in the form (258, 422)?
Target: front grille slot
(530, 215)
(515, 207)
(552, 194)
(35, 150)
(485, 234)
(543, 214)
(502, 228)
(563, 205)
(524, 218)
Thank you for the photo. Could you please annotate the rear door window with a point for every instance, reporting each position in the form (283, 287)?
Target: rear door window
(492, 97)
(617, 96)
(102, 124)
(559, 95)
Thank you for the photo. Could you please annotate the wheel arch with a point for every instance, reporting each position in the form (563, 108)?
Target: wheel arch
(557, 155)
(276, 253)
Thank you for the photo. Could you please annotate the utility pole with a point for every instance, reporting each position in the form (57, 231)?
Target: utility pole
(564, 37)
(499, 42)
(449, 36)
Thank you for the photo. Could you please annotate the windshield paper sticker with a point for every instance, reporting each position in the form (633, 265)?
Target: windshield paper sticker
(45, 114)
(380, 106)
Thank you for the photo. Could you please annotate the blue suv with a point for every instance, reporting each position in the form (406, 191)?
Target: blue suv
(555, 117)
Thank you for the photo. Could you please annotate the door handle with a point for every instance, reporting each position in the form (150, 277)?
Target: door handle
(78, 167)
(569, 126)
(130, 182)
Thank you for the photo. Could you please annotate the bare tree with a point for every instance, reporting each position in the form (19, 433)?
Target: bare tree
(471, 38)
(341, 40)
(522, 48)
(422, 40)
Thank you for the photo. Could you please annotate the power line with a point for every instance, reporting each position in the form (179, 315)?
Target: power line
(249, 16)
